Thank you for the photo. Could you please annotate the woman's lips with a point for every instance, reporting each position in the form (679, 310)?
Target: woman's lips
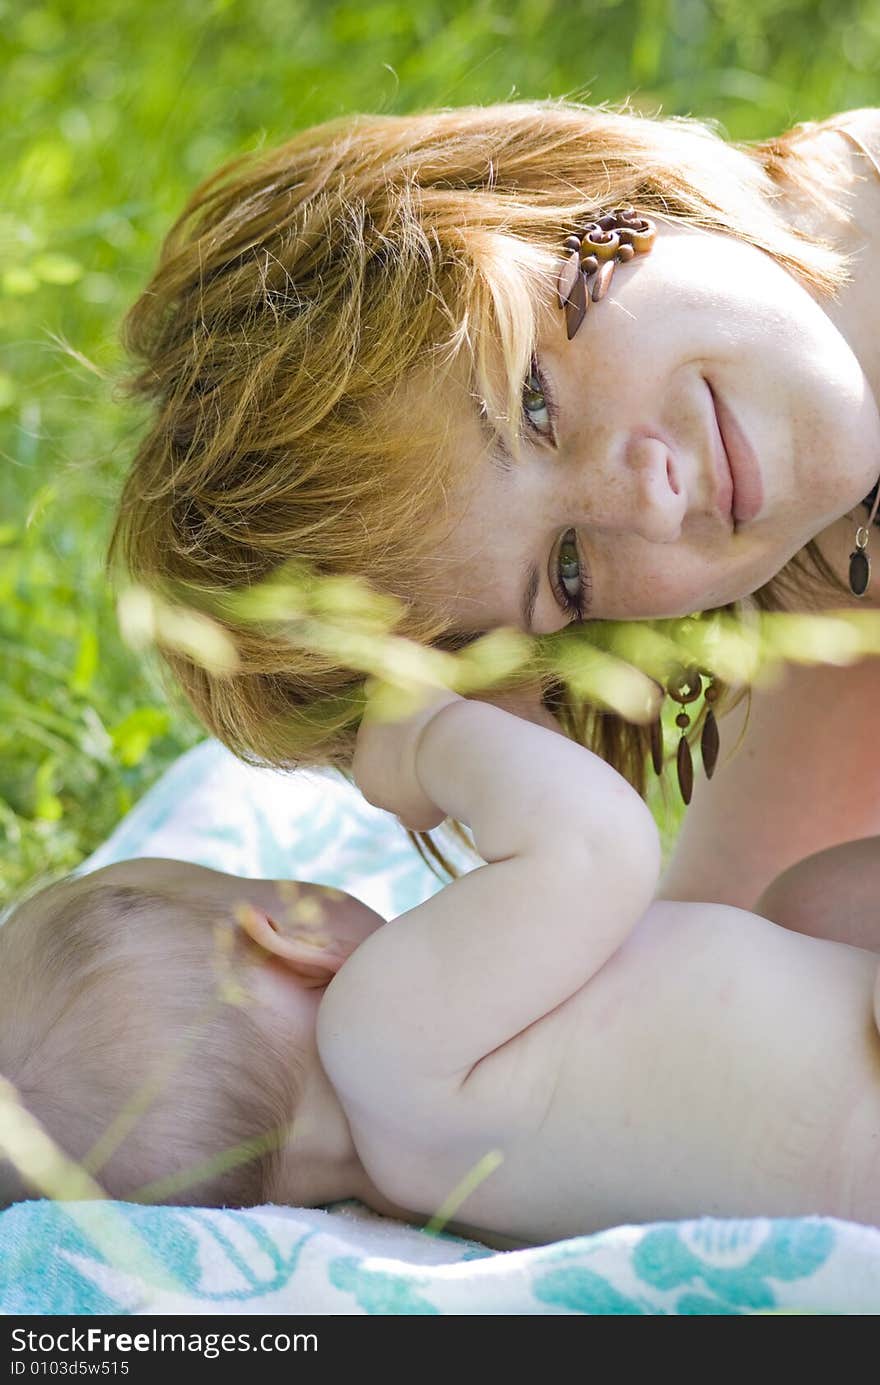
(723, 477)
(740, 493)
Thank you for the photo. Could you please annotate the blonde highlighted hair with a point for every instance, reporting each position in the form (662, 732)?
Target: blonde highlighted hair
(303, 290)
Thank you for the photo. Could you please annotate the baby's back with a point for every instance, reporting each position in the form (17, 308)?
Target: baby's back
(716, 1065)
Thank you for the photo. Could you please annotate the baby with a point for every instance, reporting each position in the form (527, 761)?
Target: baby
(541, 1045)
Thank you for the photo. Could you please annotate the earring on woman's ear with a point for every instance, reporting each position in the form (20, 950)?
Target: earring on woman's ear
(593, 252)
(859, 562)
(710, 740)
(656, 733)
(684, 687)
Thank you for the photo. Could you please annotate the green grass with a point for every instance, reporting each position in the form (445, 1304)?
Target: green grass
(111, 112)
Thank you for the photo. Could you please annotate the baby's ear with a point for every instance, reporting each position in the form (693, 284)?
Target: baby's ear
(314, 958)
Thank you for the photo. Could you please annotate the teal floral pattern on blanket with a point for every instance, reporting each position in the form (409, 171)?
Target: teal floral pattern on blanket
(79, 1258)
(89, 1258)
(734, 1263)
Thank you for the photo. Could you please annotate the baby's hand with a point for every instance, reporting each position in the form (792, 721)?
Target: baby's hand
(384, 764)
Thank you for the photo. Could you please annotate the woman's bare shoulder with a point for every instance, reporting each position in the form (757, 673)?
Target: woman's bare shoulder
(864, 122)
(862, 127)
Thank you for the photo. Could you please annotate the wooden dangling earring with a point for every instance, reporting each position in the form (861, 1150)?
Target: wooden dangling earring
(710, 741)
(859, 562)
(656, 736)
(684, 688)
(657, 746)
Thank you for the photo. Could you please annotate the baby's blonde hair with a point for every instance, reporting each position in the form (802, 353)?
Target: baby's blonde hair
(110, 1007)
(302, 295)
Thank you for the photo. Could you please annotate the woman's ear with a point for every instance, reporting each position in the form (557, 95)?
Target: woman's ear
(315, 961)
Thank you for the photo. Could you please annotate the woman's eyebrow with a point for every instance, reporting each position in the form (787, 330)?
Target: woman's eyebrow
(530, 596)
(500, 454)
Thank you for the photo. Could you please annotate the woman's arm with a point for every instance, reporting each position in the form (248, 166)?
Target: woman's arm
(573, 861)
(834, 894)
(805, 776)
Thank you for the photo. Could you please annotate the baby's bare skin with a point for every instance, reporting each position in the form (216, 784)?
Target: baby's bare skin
(629, 1060)
(713, 1066)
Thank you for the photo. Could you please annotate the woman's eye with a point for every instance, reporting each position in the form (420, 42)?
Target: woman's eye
(570, 568)
(571, 579)
(535, 405)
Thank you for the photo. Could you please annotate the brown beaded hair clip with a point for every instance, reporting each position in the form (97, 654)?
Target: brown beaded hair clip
(593, 253)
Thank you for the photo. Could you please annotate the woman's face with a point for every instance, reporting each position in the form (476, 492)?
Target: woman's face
(705, 422)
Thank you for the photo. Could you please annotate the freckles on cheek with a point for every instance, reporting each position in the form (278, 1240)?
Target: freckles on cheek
(710, 587)
(658, 593)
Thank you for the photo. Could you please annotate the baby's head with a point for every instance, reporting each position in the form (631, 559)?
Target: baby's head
(158, 1019)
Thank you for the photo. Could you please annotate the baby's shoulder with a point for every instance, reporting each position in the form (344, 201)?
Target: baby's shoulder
(421, 1152)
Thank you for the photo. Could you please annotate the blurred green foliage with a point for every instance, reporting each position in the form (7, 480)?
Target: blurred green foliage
(110, 113)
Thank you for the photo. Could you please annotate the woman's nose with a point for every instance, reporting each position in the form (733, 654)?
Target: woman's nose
(644, 492)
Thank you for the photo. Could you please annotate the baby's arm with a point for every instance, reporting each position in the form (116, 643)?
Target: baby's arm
(573, 860)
